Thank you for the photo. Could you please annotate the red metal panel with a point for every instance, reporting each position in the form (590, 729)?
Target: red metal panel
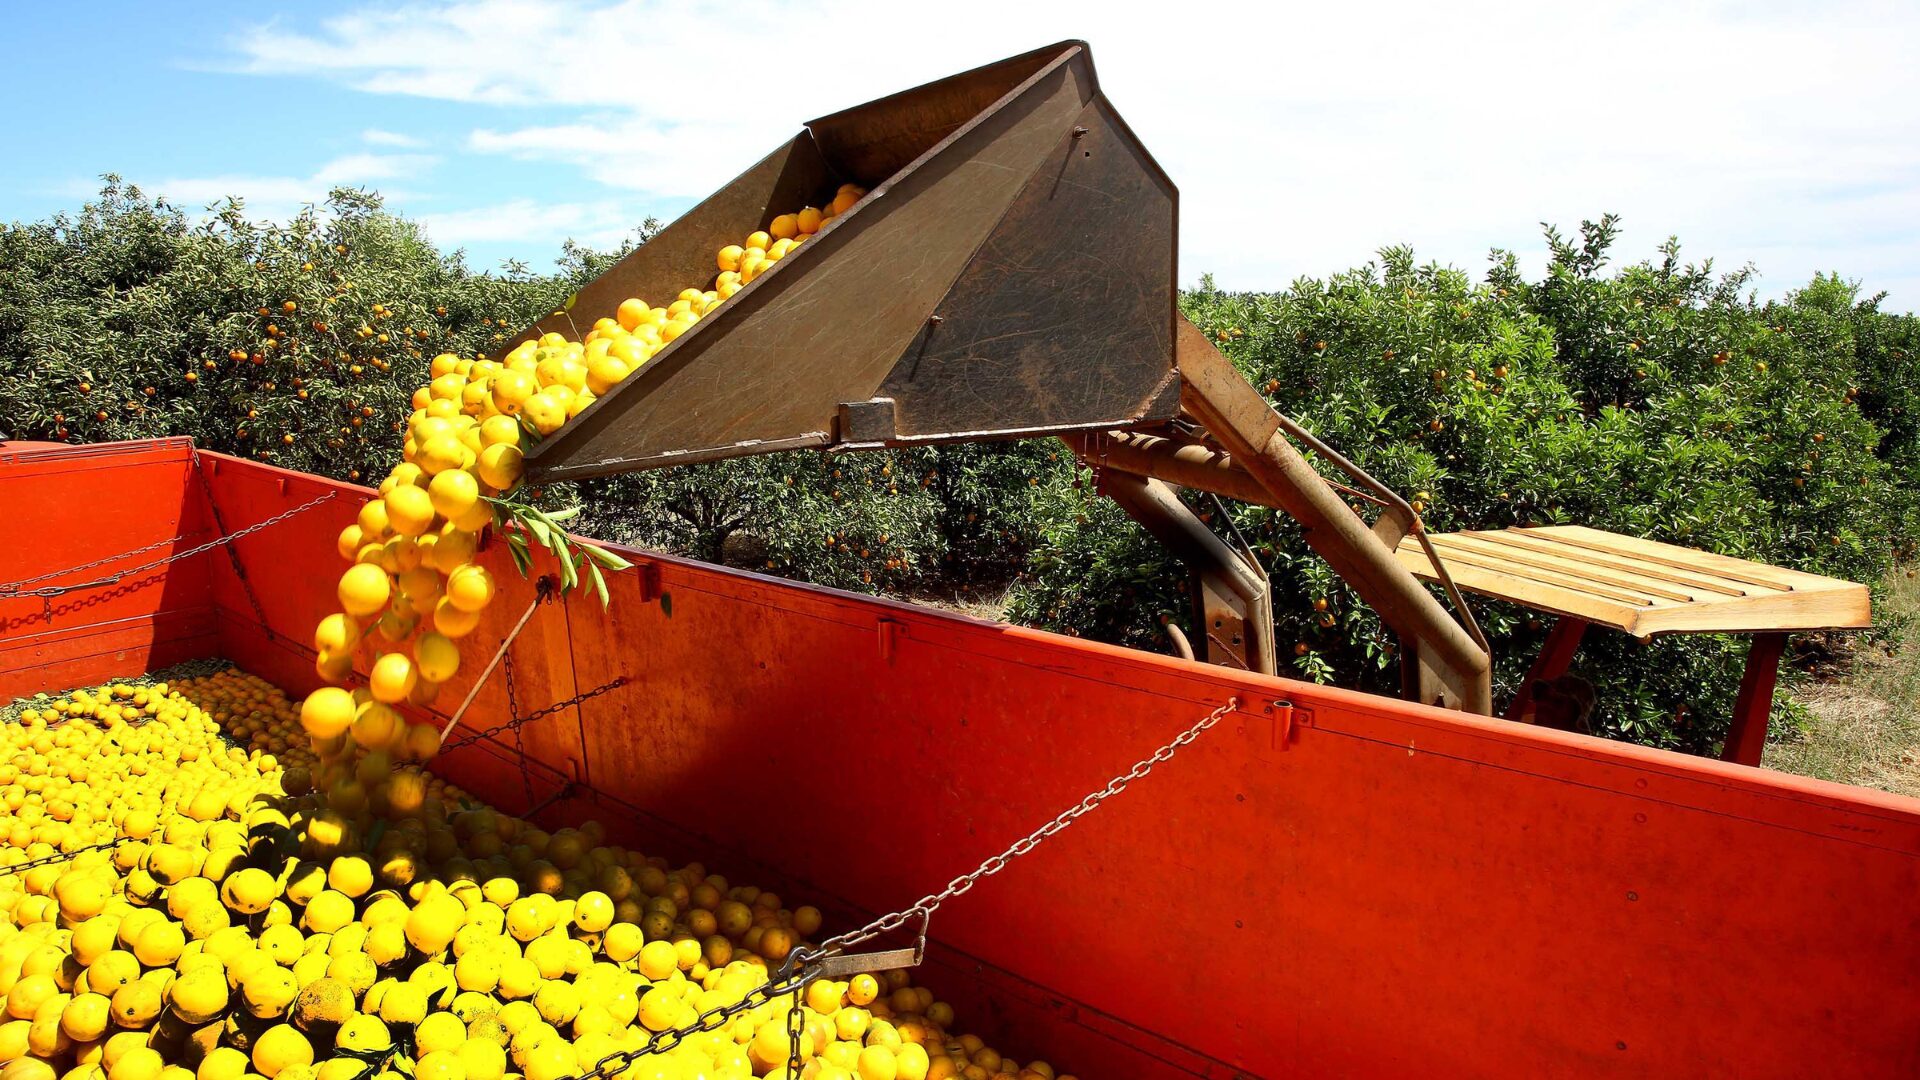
(1390, 889)
(73, 505)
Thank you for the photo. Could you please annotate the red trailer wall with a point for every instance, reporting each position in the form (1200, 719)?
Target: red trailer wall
(1390, 889)
(69, 505)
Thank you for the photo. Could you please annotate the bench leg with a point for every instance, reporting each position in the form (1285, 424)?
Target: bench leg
(1747, 737)
(1554, 659)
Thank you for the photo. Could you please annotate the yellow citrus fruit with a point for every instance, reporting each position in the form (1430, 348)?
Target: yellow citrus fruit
(337, 632)
(440, 453)
(376, 725)
(249, 891)
(327, 711)
(452, 493)
(501, 464)
(392, 678)
(200, 996)
(511, 389)
(436, 657)
(454, 548)
(364, 590)
(470, 588)
(409, 509)
(279, 1047)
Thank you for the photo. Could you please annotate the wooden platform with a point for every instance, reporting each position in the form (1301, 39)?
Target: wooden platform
(1639, 586)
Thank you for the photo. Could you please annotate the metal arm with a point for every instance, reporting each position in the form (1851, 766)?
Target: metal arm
(1265, 468)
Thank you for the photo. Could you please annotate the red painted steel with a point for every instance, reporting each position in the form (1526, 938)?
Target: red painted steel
(1556, 656)
(1396, 889)
(1747, 737)
(70, 505)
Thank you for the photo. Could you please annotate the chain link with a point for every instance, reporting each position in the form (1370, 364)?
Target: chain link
(60, 856)
(514, 725)
(796, 1027)
(17, 588)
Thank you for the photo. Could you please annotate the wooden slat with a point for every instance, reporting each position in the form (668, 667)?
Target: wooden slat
(1640, 586)
(1635, 566)
(1574, 568)
(1752, 573)
(1545, 578)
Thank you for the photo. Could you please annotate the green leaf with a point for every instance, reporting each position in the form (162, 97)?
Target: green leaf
(605, 558)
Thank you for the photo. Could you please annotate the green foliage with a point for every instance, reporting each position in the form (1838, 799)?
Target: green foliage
(131, 320)
(866, 522)
(1659, 399)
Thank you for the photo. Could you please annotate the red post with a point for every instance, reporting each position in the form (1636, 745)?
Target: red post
(1554, 659)
(1747, 736)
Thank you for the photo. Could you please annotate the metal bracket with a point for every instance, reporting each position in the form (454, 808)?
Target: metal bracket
(842, 965)
(1284, 719)
(870, 421)
(650, 581)
(565, 791)
(891, 631)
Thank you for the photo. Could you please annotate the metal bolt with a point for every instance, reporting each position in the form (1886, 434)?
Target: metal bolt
(936, 320)
(1079, 132)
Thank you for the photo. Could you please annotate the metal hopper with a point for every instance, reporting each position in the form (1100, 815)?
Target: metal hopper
(978, 291)
(1011, 272)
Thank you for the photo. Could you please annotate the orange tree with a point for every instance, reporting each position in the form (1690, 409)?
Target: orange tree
(1661, 400)
(296, 343)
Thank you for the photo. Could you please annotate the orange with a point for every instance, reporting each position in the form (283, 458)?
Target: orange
(452, 621)
(545, 411)
(337, 632)
(604, 372)
(440, 453)
(436, 657)
(392, 678)
(511, 389)
(329, 710)
(470, 588)
(409, 509)
(501, 465)
(364, 589)
(373, 521)
(452, 493)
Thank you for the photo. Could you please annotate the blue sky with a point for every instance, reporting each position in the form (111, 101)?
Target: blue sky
(1303, 137)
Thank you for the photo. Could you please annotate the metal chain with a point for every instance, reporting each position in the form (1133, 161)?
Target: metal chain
(513, 709)
(924, 907)
(791, 978)
(61, 856)
(796, 1027)
(802, 966)
(15, 588)
(517, 722)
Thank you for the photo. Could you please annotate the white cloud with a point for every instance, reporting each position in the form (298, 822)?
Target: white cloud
(280, 197)
(1303, 136)
(377, 137)
(535, 225)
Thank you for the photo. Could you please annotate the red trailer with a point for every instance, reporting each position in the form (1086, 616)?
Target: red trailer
(1324, 883)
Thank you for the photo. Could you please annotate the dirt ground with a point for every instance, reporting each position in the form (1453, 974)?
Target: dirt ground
(1865, 728)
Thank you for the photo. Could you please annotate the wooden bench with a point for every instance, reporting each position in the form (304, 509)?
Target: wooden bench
(1640, 587)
